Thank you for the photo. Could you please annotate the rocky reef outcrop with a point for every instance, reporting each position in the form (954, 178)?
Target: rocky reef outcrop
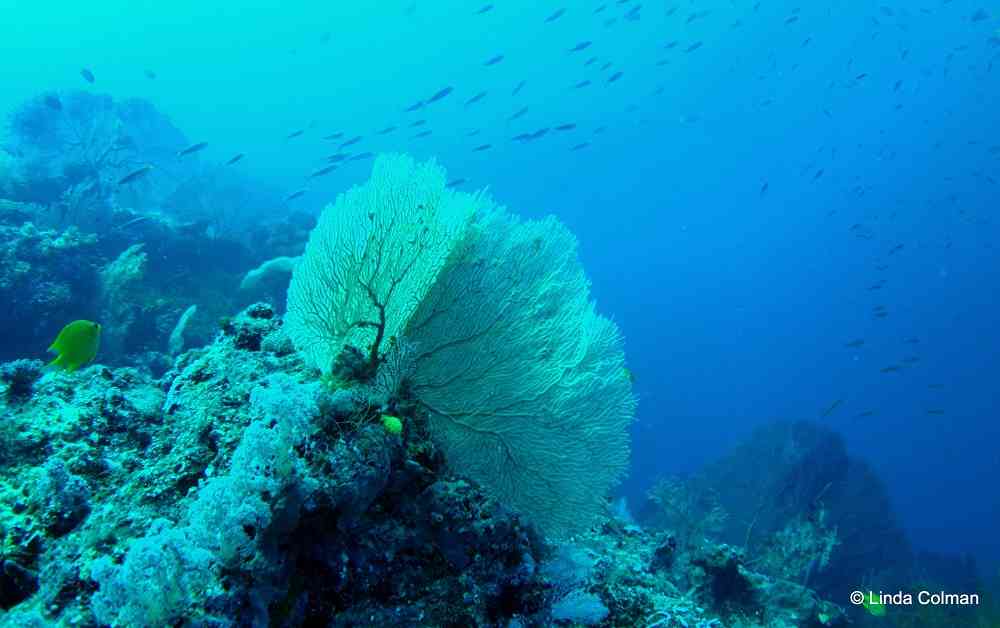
(241, 488)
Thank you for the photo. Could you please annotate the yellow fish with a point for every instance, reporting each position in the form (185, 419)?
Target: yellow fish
(76, 345)
(392, 424)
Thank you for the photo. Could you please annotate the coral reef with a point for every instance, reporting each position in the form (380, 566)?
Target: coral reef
(411, 469)
(72, 148)
(242, 488)
(814, 516)
(136, 282)
(91, 193)
(74, 151)
(523, 380)
(704, 584)
(119, 284)
(19, 377)
(812, 509)
(690, 515)
(46, 280)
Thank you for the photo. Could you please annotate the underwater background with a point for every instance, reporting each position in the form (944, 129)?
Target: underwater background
(789, 209)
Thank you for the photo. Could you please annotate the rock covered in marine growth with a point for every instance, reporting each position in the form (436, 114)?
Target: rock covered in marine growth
(44, 275)
(244, 489)
(647, 578)
(107, 472)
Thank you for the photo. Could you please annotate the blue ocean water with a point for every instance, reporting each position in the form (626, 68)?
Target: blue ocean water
(808, 176)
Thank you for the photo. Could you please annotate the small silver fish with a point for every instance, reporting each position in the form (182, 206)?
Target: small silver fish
(439, 95)
(520, 112)
(320, 173)
(475, 99)
(555, 15)
(135, 174)
(194, 148)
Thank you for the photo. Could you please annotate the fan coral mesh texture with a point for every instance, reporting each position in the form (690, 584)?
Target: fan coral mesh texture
(524, 382)
(372, 258)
